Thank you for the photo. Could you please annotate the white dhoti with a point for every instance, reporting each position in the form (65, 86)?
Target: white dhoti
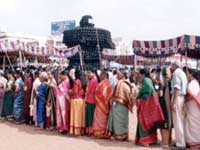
(178, 121)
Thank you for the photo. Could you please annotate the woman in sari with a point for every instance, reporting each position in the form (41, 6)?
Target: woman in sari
(63, 104)
(164, 99)
(3, 83)
(77, 108)
(103, 94)
(51, 103)
(122, 103)
(8, 97)
(149, 111)
(33, 103)
(18, 98)
(192, 121)
(41, 95)
(28, 83)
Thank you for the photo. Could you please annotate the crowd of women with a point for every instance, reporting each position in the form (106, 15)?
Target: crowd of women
(97, 103)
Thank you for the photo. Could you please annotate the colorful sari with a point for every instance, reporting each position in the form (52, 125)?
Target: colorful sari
(149, 112)
(77, 109)
(8, 100)
(41, 102)
(63, 106)
(102, 96)
(192, 121)
(19, 101)
(51, 109)
(119, 113)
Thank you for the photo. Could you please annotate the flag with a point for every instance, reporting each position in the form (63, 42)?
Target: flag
(71, 51)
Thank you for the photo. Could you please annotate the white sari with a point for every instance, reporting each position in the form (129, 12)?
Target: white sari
(192, 120)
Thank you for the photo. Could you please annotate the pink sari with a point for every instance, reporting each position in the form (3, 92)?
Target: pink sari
(62, 106)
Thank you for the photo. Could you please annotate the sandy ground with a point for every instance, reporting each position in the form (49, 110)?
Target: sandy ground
(22, 137)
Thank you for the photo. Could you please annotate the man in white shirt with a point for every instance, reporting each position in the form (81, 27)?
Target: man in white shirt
(179, 86)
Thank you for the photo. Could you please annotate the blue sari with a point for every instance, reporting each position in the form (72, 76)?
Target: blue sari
(19, 100)
(41, 103)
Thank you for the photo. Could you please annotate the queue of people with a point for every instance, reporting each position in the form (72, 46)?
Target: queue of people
(98, 103)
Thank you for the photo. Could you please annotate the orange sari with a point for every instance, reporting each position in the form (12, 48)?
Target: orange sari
(103, 94)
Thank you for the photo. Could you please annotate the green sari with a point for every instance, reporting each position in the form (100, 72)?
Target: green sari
(8, 100)
(148, 113)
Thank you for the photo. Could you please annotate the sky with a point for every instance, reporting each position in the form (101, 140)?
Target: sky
(130, 19)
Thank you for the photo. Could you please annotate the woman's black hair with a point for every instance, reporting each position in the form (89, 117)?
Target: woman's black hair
(63, 72)
(194, 73)
(71, 81)
(145, 72)
(19, 72)
(97, 76)
(78, 74)
(132, 79)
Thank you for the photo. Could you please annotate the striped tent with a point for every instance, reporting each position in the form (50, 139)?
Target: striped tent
(129, 60)
(13, 47)
(121, 59)
(164, 48)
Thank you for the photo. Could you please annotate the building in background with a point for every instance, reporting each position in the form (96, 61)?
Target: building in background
(58, 27)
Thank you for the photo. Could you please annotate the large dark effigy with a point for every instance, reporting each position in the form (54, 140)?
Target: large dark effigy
(92, 41)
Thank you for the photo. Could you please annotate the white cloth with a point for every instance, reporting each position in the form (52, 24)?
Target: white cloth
(33, 113)
(192, 121)
(178, 121)
(179, 81)
(113, 79)
(3, 82)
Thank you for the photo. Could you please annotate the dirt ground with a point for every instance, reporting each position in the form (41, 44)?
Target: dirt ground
(23, 137)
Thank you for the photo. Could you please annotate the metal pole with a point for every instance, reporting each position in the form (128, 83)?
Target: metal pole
(98, 47)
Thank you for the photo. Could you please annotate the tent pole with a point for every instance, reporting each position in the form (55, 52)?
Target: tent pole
(4, 63)
(135, 62)
(20, 58)
(99, 51)
(9, 59)
(186, 61)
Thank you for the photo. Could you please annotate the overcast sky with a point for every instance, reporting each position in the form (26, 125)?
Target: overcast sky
(131, 19)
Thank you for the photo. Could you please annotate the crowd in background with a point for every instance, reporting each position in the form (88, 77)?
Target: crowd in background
(97, 103)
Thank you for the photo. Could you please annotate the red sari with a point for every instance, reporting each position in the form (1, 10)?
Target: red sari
(103, 94)
(27, 98)
(62, 106)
